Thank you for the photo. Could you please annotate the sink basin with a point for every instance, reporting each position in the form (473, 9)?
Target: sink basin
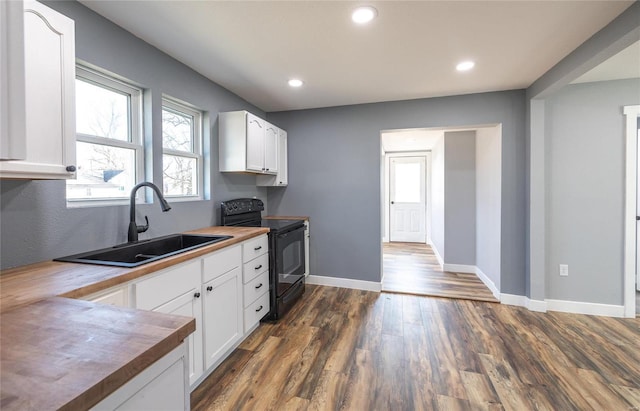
(145, 251)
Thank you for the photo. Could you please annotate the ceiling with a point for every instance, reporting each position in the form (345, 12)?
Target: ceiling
(409, 51)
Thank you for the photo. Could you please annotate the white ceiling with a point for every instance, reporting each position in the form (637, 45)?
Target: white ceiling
(253, 47)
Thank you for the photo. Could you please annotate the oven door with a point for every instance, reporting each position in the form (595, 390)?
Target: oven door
(289, 259)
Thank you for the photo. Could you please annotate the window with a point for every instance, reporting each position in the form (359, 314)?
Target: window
(109, 147)
(181, 149)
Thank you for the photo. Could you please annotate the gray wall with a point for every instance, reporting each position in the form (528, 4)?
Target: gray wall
(585, 147)
(488, 177)
(437, 198)
(460, 197)
(36, 225)
(334, 177)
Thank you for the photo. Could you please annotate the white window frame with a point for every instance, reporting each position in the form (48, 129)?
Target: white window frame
(181, 107)
(110, 82)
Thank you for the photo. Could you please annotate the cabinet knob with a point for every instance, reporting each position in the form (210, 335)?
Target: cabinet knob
(71, 169)
(258, 267)
(259, 309)
(197, 295)
(259, 286)
(210, 288)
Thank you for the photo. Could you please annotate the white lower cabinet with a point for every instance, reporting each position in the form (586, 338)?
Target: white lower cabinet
(116, 296)
(255, 279)
(226, 291)
(161, 386)
(222, 315)
(176, 291)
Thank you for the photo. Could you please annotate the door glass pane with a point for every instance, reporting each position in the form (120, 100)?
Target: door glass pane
(179, 175)
(103, 172)
(407, 182)
(177, 131)
(101, 112)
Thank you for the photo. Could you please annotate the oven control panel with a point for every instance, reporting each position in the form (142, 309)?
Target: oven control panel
(242, 206)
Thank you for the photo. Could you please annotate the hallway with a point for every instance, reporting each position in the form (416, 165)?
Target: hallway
(412, 268)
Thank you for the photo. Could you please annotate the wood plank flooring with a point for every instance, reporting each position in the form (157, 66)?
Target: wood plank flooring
(413, 268)
(342, 349)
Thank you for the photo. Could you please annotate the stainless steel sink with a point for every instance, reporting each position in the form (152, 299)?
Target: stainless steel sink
(145, 251)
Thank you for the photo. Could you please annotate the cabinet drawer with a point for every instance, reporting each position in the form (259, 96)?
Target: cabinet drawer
(253, 248)
(254, 288)
(164, 287)
(118, 297)
(254, 313)
(221, 262)
(255, 267)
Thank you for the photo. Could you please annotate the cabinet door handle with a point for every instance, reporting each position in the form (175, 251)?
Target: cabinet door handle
(259, 286)
(197, 295)
(210, 288)
(257, 248)
(259, 309)
(258, 267)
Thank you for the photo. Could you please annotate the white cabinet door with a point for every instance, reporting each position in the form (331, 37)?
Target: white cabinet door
(12, 107)
(189, 305)
(255, 143)
(162, 386)
(49, 65)
(270, 149)
(281, 178)
(177, 291)
(222, 315)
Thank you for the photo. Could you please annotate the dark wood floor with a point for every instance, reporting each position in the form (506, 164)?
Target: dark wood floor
(358, 350)
(413, 268)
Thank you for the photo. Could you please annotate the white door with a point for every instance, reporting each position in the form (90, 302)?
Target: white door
(407, 193)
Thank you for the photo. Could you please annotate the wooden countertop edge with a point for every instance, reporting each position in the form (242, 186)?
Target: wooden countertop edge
(121, 275)
(124, 374)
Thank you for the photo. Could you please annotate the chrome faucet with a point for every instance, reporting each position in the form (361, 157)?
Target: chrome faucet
(134, 229)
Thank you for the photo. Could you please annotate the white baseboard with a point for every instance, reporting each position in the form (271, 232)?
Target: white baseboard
(459, 268)
(607, 310)
(344, 283)
(575, 307)
(437, 254)
(488, 282)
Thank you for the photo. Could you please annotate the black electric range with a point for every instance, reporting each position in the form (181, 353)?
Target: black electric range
(286, 251)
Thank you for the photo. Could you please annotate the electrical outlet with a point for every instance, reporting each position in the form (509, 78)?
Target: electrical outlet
(564, 270)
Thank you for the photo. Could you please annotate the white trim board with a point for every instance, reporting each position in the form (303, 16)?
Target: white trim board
(574, 307)
(344, 283)
(631, 114)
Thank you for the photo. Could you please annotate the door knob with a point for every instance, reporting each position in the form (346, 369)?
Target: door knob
(393, 202)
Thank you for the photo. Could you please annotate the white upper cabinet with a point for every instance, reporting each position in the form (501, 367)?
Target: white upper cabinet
(248, 144)
(44, 147)
(279, 179)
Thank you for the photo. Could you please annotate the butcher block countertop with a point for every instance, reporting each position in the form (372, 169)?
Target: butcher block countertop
(61, 353)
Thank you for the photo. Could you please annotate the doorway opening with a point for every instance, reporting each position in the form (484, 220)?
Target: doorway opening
(440, 211)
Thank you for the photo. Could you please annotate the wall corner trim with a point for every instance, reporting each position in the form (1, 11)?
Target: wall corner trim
(488, 282)
(344, 283)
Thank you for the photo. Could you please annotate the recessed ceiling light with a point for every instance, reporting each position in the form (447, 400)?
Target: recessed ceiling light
(465, 66)
(294, 82)
(364, 14)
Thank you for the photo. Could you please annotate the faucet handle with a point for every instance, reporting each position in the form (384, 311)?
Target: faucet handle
(143, 228)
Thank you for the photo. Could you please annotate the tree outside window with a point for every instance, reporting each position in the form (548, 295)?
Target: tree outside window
(181, 142)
